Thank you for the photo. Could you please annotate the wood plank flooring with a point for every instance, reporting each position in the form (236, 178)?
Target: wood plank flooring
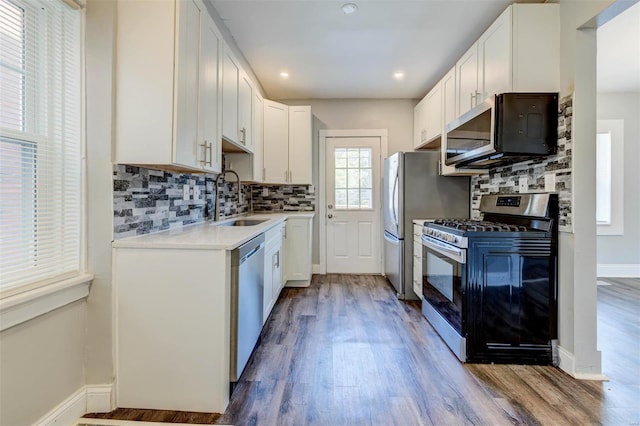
(346, 351)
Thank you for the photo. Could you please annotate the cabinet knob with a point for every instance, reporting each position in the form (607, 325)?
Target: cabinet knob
(330, 206)
(330, 216)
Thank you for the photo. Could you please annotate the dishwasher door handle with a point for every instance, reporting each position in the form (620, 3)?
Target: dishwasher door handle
(251, 253)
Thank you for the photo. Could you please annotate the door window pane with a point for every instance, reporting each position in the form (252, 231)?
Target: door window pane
(353, 178)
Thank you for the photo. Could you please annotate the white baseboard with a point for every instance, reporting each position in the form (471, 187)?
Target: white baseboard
(622, 270)
(568, 365)
(87, 399)
(316, 268)
(100, 398)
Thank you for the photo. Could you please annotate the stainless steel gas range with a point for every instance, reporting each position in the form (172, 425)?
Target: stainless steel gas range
(490, 286)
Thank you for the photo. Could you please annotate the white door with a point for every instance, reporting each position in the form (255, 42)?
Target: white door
(353, 205)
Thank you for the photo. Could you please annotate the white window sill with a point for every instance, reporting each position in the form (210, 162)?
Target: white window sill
(27, 305)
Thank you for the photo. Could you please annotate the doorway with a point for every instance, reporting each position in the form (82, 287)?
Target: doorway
(350, 200)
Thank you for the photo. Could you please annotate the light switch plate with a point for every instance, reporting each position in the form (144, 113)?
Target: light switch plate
(523, 184)
(550, 182)
(185, 192)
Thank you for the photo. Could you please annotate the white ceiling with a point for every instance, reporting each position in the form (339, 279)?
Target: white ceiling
(331, 55)
(619, 53)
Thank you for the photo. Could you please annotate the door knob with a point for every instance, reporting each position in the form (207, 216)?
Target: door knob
(329, 216)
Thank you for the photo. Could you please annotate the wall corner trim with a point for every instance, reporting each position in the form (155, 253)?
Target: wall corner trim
(568, 365)
(87, 399)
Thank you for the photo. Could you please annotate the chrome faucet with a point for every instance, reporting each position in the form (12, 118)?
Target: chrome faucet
(216, 209)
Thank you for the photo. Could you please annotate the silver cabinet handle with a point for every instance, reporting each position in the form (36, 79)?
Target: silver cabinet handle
(206, 146)
(243, 132)
(210, 154)
(330, 206)
(286, 175)
(472, 101)
(290, 176)
(264, 174)
(330, 216)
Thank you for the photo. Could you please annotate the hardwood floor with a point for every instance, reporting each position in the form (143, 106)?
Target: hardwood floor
(346, 351)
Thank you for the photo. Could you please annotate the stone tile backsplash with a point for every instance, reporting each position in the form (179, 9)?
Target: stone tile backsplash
(146, 201)
(506, 179)
(283, 198)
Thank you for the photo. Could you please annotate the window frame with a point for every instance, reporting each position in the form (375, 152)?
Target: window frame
(23, 302)
(616, 129)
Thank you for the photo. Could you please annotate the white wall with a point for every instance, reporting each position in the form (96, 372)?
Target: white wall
(41, 363)
(577, 250)
(624, 249)
(100, 86)
(395, 115)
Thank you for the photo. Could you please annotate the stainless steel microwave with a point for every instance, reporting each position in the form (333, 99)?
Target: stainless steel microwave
(506, 128)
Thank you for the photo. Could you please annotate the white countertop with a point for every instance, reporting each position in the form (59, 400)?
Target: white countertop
(209, 235)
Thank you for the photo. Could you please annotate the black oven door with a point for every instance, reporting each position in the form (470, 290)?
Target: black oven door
(444, 279)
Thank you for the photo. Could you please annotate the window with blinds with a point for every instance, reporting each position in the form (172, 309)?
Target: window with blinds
(40, 142)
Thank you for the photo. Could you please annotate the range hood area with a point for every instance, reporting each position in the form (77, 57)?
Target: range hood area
(506, 128)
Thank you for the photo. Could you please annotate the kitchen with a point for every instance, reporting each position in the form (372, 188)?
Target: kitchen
(396, 115)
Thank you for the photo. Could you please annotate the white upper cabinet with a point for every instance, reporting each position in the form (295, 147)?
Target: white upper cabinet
(210, 111)
(494, 58)
(427, 120)
(420, 123)
(519, 52)
(166, 100)
(300, 145)
(287, 143)
(258, 138)
(276, 142)
(434, 115)
(467, 80)
(245, 112)
(230, 96)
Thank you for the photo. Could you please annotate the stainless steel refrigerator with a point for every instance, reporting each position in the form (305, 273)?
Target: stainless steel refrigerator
(413, 189)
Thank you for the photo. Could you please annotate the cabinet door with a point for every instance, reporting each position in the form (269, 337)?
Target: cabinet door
(467, 80)
(186, 143)
(276, 284)
(494, 58)
(298, 249)
(448, 115)
(230, 87)
(433, 114)
(210, 151)
(245, 112)
(258, 133)
(276, 142)
(300, 145)
(419, 125)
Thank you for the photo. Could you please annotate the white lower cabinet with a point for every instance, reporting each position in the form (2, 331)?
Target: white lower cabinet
(272, 269)
(297, 249)
(172, 328)
(417, 260)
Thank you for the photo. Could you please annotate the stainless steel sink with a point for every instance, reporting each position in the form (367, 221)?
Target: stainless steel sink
(244, 222)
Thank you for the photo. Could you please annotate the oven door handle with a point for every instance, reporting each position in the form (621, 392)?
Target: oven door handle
(452, 252)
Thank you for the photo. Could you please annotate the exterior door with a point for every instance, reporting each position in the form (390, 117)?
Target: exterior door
(353, 205)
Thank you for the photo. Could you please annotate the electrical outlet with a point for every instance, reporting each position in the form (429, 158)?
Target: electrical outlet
(185, 192)
(550, 182)
(265, 191)
(523, 184)
(196, 192)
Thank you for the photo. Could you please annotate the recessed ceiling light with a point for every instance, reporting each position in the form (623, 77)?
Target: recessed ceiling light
(399, 75)
(284, 74)
(349, 8)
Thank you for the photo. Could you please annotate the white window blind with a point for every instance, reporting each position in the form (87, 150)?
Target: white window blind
(40, 141)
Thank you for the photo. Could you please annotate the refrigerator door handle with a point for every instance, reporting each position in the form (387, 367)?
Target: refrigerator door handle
(394, 201)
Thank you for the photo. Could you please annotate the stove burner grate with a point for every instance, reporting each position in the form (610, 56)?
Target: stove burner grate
(479, 226)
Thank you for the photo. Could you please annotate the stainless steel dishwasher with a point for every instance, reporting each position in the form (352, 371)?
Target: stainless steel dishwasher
(247, 286)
